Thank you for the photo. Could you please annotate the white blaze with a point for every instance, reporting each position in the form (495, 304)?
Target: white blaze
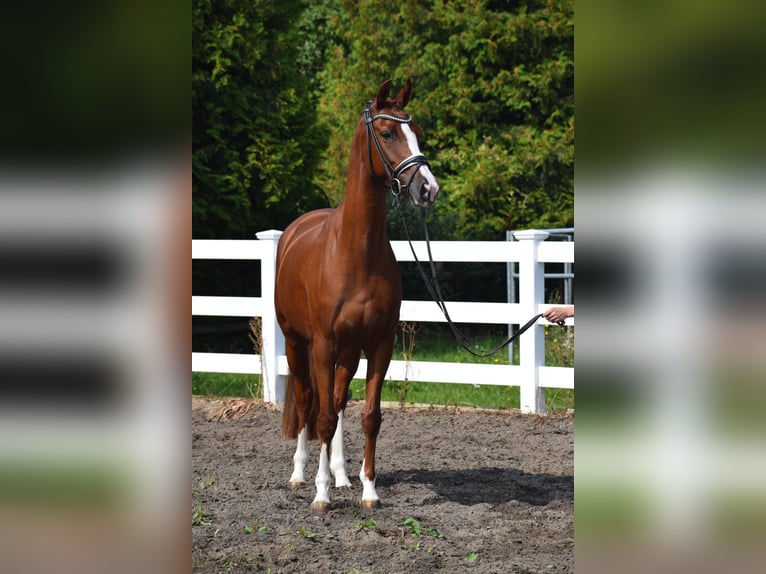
(412, 142)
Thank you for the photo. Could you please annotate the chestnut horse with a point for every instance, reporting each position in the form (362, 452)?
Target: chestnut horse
(338, 292)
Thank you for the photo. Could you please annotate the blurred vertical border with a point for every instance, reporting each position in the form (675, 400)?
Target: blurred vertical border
(670, 197)
(95, 222)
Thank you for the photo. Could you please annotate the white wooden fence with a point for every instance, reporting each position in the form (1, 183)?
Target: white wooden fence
(530, 250)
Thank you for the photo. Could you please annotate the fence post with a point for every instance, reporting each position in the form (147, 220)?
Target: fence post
(272, 340)
(531, 343)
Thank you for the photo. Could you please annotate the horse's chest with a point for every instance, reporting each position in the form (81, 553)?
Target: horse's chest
(370, 309)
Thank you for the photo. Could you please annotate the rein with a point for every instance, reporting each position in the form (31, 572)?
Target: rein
(432, 285)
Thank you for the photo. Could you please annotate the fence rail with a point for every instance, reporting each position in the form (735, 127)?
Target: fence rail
(531, 251)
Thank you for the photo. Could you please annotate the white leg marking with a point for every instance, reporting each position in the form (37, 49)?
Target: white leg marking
(300, 458)
(337, 458)
(368, 486)
(323, 476)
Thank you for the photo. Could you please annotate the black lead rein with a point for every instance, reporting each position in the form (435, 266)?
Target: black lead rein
(433, 288)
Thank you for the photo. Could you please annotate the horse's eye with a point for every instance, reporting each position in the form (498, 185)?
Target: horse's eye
(386, 135)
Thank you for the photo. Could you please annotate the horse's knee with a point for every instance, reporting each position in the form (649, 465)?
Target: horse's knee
(326, 425)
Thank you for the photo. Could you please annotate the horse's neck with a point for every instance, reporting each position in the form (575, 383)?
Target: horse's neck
(363, 217)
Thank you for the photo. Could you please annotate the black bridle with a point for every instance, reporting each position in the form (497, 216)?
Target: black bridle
(392, 173)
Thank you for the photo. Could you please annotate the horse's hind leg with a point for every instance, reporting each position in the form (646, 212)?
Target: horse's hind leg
(299, 406)
(300, 458)
(344, 371)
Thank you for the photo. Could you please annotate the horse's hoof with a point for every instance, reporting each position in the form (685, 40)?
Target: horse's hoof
(370, 504)
(295, 484)
(320, 508)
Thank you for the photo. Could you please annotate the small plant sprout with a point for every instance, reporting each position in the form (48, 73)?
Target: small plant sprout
(370, 524)
(250, 528)
(434, 533)
(413, 524)
(305, 533)
(416, 528)
(199, 517)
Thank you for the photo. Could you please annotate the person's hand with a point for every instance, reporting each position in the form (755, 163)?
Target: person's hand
(558, 314)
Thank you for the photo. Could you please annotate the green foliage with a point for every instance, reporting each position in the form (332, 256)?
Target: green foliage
(255, 142)
(494, 91)
(277, 89)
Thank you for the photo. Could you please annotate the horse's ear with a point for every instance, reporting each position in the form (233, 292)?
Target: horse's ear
(380, 99)
(403, 97)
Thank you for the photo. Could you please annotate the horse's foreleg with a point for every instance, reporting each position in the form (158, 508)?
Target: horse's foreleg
(377, 365)
(344, 371)
(337, 456)
(324, 369)
(320, 506)
(371, 424)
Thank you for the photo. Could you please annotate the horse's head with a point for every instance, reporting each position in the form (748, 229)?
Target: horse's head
(395, 137)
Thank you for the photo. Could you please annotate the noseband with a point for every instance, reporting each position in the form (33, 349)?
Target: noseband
(392, 173)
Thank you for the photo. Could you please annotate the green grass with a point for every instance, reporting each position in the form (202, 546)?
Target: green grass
(431, 343)
(226, 385)
(450, 394)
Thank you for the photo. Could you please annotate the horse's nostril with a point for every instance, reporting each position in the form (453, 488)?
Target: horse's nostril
(428, 192)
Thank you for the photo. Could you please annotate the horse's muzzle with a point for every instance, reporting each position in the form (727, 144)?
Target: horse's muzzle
(428, 193)
(424, 188)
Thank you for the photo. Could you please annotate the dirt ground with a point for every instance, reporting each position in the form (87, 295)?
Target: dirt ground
(461, 491)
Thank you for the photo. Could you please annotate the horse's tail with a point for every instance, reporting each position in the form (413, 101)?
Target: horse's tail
(292, 419)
